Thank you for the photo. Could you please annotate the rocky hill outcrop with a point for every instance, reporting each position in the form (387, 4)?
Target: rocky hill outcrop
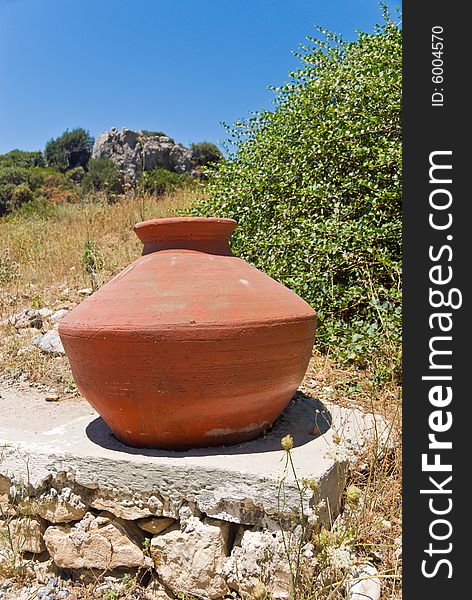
(136, 151)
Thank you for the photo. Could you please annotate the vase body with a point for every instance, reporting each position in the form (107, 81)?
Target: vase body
(189, 346)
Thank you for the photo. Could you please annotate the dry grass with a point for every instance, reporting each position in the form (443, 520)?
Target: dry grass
(41, 264)
(49, 248)
(373, 528)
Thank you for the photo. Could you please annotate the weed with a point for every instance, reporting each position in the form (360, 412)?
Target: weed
(293, 546)
(16, 522)
(37, 301)
(92, 262)
(368, 529)
(8, 267)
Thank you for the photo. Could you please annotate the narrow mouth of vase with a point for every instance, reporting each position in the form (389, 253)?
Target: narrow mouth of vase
(185, 232)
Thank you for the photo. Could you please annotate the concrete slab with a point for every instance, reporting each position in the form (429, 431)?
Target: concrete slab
(67, 441)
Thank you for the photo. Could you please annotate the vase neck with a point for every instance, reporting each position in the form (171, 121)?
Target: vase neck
(209, 235)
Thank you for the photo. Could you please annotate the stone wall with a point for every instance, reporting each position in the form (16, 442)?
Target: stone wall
(205, 522)
(85, 531)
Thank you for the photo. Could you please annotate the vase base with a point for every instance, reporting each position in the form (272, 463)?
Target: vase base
(214, 438)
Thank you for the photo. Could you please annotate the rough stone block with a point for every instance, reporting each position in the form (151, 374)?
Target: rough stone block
(95, 543)
(259, 557)
(61, 506)
(364, 583)
(25, 534)
(126, 506)
(191, 559)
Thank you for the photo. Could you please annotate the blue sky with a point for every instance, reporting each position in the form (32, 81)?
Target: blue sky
(179, 66)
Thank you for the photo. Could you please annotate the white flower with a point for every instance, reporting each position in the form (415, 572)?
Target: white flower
(308, 551)
(340, 453)
(340, 558)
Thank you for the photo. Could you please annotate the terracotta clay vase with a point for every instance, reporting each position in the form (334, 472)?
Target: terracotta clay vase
(189, 346)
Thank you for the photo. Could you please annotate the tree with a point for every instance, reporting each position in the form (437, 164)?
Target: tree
(204, 153)
(315, 185)
(69, 150)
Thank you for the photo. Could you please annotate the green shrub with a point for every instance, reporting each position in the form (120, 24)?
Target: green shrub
(19, 158)
(315, 186)
(17, 185)
(102, 176)
(69, 150)
(146, 133)
(160, 181)
(204, 153)
(21, 195)
(37, 208)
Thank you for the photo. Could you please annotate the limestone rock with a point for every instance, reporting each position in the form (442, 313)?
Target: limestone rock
(59, 314)
(364, 584)
(52, 397)
(25, 533)
(43, 570)
(191, 560)
(103, 542)
(128, 508)
(258, 557)
(187, 511)
(156, 591)
(135, 151)
(48, 342)
(29, 317)
(84, 292)
(155, 525)
(61, 507)
(399, 550)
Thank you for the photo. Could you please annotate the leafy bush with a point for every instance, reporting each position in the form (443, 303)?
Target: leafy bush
(147, 133)
(160, 181)
(21, 195)
(17, 185)
(102, 176)
(204, 153)
(57, 187)
(38, 208)
(19, 158)
(69, 150)
(315, 186)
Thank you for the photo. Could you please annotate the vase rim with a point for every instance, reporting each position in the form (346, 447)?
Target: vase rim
(180, 231)
(177, 220)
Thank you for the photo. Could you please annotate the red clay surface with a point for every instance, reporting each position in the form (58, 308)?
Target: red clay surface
(189, 345)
